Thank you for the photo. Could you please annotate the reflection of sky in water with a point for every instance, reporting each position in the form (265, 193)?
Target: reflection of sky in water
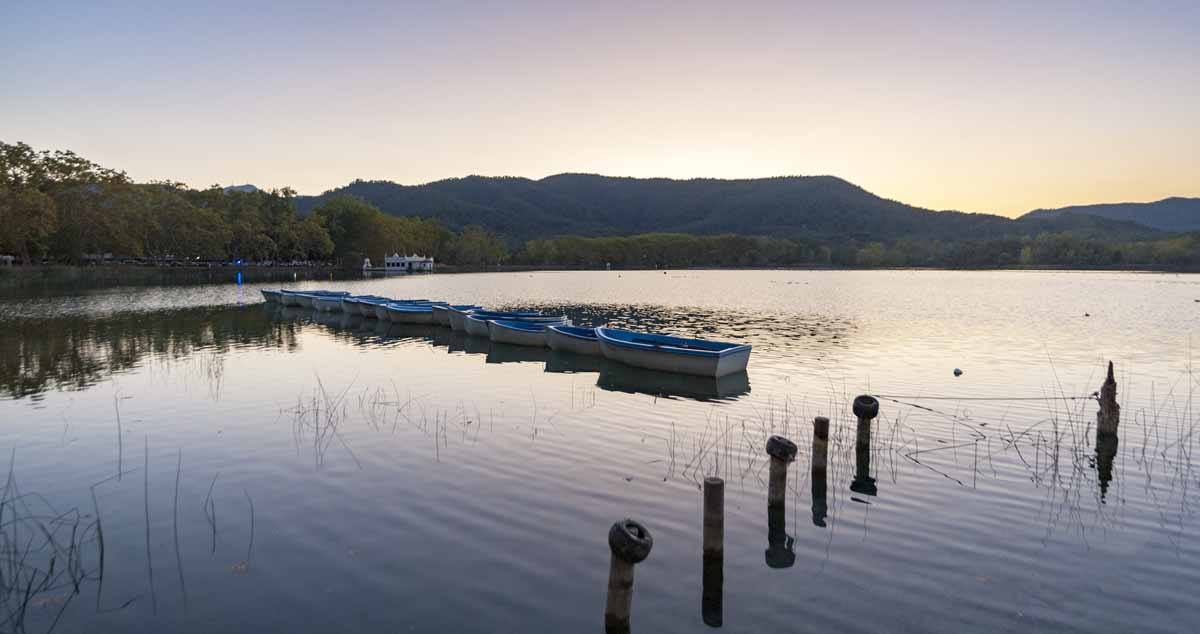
(414, 477)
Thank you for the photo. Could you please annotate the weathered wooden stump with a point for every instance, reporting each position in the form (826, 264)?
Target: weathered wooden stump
(782, 452)
(1109, 416)
(820, 462)
(866, 408)
(1108, 419)
(630, 544)
(711, 598)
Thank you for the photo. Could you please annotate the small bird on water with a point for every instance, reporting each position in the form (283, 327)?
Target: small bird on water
(957, 372)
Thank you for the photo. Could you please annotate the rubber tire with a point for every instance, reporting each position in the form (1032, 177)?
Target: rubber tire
(781, 448)
(630, 541)
(866, 407)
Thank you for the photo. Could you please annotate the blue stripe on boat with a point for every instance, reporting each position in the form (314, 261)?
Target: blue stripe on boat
(527, 326)
(587, 334)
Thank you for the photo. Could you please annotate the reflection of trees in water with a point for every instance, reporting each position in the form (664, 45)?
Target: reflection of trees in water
(74, 353)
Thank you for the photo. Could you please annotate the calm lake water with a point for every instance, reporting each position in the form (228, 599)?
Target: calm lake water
(194, 460)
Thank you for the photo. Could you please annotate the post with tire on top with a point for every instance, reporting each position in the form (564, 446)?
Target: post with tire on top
(630, 544)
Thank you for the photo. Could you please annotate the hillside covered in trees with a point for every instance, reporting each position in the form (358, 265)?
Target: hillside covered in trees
(1168, 214)
(812, 207)
(58, 207)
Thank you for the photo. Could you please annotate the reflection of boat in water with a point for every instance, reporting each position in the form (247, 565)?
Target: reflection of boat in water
(571, 363)
(618, 377)
(698, 357)
(476, 345)
(411, 332)
(509, 353)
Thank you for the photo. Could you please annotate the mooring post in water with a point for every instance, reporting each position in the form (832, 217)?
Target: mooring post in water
(1107, 421)
(866, 408)
(820, 460)
(782, 452)
(630, 543)
(711, 599)
(1109, 416)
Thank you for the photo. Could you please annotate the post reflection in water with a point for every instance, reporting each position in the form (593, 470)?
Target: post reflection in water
(1106, 452)
(780, 551)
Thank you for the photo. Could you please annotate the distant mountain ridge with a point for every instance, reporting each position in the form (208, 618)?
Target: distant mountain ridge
(822, 207)
(1169, 214)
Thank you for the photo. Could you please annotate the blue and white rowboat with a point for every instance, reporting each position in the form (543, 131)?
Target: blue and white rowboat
(517, 332)
(573, 339)
(477, 323)
(698, 357)
(408, 313)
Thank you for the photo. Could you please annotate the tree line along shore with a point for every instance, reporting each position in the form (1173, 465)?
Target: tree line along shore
(59, 208)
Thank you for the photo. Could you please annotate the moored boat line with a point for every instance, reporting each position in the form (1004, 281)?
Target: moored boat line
(665, 353)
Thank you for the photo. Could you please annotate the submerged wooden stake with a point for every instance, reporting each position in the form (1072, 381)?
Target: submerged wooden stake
(630, 543)
(782, 452)
(711, 598)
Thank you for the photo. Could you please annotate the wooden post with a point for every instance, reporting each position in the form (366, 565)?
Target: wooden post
(782, 452)
(820, 460)
(1109, 416)
(1108, 419)
(630, 543)
(711, 598)
(866, 408)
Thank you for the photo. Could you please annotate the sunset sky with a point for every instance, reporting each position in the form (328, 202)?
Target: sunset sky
(979, 106)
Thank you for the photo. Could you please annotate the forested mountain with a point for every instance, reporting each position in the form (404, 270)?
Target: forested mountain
(821, 207)
(1168, 214)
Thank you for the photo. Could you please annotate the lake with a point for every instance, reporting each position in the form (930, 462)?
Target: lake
(194, 460)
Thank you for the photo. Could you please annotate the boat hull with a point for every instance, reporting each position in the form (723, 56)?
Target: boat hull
(410, 316)
(367, 309)
(304, 301)
(327, 304)
(271, 297)
(476, 327)
(565, 342)
(517, 337)
(667, 360)
(458, 320)
(441, 315)
(381, 312)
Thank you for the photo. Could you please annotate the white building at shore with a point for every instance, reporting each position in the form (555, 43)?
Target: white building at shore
(397, 263)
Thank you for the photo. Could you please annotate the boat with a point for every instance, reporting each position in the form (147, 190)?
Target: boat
(441, 312)
(518, 333)
(272, 296)
(366, 304)
(305, 298)
(408, 313)
(327, 303)
(575, 339)
(458, 318)
(477, 322)
(697, 357)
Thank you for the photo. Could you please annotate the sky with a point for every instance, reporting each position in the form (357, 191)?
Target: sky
(997, 107)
